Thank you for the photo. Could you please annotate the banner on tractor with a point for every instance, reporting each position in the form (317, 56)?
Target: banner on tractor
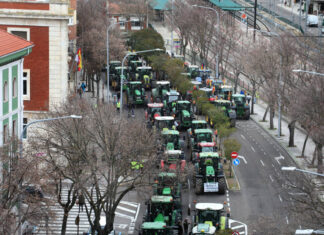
(211, 187)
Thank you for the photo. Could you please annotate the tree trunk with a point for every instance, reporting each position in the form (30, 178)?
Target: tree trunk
(304, 145)
(271, 117)
(291, 127)
(64, 222)
(314, 156)
(265, 114)
(252, 103)
(103, 89)
(319, 152)
(92, 85)
(237, 74)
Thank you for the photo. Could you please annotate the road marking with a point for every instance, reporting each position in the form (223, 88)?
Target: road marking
(252, 149)
(229, 204)
(243, 137)
(262, 162)
(242, 158)
(126, 209)
(287, 220)
(272, 165)
(280, 198)
(298, 194)
(121, 226)
(279, 158)
(236, 227)
(124, 216)
(133, 204)
(271, 178)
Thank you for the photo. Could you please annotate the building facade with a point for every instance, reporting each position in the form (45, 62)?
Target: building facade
(45, 74)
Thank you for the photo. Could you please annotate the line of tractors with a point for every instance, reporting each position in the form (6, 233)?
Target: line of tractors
(171, 115)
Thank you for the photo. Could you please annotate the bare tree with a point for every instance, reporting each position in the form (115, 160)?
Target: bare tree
(103, 155)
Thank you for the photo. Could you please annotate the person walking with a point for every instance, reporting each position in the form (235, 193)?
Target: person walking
(118, 106)
(186, 226)
(180, 229)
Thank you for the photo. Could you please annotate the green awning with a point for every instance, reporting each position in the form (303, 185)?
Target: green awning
(227, 5)
(160, 5)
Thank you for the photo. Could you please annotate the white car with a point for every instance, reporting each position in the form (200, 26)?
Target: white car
(312, 20)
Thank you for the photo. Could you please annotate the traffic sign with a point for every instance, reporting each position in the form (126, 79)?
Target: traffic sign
(235, 233)
(234, 155)
(236, 162)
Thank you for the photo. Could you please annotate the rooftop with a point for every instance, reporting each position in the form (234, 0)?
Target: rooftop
(10, 43)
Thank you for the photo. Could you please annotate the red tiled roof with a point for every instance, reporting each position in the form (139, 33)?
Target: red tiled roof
(10, 43)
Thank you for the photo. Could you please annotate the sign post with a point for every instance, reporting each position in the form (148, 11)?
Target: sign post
(234, 155)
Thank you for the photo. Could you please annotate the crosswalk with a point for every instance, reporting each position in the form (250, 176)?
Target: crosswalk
(125, 218)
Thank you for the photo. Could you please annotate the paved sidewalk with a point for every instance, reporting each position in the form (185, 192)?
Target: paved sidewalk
(259, 109)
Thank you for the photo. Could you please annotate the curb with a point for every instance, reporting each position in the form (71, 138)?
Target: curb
(238, 183)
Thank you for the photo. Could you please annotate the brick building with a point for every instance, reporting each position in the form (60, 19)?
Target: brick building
(45, 75)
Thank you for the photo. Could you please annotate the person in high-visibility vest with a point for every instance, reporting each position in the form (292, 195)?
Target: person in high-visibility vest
(118, 105)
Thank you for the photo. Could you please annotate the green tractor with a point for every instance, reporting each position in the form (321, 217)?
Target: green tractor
(172, 140)
(135, 93)
(241, 106)
(174, 161)
(225, 92)
(170, 101)
(112, 69)
(193, 71)
(184, 114)
(162, 209)
(153, 110)
(163, 122)
(134, 64)
(162, 87)
(203, 147)
(154, 228)
(116, 79)
(167, 184)
(145, 75)
(226, 106)
(199, 136)
(209, 93)
(195, 124)
(209, 174)
(204, 74)
(209, 218)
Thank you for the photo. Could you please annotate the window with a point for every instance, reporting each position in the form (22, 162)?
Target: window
(5, 133)
(26, 84)
(14, 127)
(121, 21)
(20, 32)
(71, 20)
(14, 88)
(25, 122)
(5, 91)
(136, 23)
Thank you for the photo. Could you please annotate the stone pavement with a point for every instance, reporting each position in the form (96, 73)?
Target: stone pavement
(259, 110)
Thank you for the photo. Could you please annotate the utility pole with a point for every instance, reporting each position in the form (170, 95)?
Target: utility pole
(172, 28)
(255, 16)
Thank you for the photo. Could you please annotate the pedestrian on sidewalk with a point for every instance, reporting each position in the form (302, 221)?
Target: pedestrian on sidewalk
(180, 229)
(83, 86)
(79, 90)
(186, 226)
(118, 106)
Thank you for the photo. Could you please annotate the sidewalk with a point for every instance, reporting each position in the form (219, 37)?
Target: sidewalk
(259, 110)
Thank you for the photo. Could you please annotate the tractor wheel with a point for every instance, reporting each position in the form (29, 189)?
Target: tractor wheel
(199, 187)
(247, 114)
(221, 185)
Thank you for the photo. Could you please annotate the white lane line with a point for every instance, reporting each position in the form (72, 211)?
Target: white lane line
(124, 216)
(243, 136)
(126, 209)
(272, 165)
(252, 149)
(242, 158)
(287, 221)
(229, 204)
(271, 178)
(133, 204)
(262, 162)
(236, 227)
(280, 198)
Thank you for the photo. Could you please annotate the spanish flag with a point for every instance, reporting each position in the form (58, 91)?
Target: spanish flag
(78, 59)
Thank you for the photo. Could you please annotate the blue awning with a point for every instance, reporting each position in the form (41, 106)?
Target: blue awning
(161, 5)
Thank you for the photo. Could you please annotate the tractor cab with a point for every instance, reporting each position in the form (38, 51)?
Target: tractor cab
(112, 68)
(226, 106)
(204, 147)
(196, 84)
(169, 100)
(154, 110)
(204, 74)
(225, 92)
(210, 214)
(163, 122)
(174, 160)
(184, 113)
(209, 92)
(153, 228)
(135, 93)
(186, 75)
(241, 106)
(118, 76)
(133, 65)
(162, 87)
(203, 135)
(171, 140)
(133, 56)
(193, 70)
(145, 75)
(163, 209)
(195, 124)
(166, 184)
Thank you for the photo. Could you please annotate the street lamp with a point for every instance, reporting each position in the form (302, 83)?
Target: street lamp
(21, 151)
(218, 23)
(305, 71)
(108, 28)
(292, 168)
(122, 72)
